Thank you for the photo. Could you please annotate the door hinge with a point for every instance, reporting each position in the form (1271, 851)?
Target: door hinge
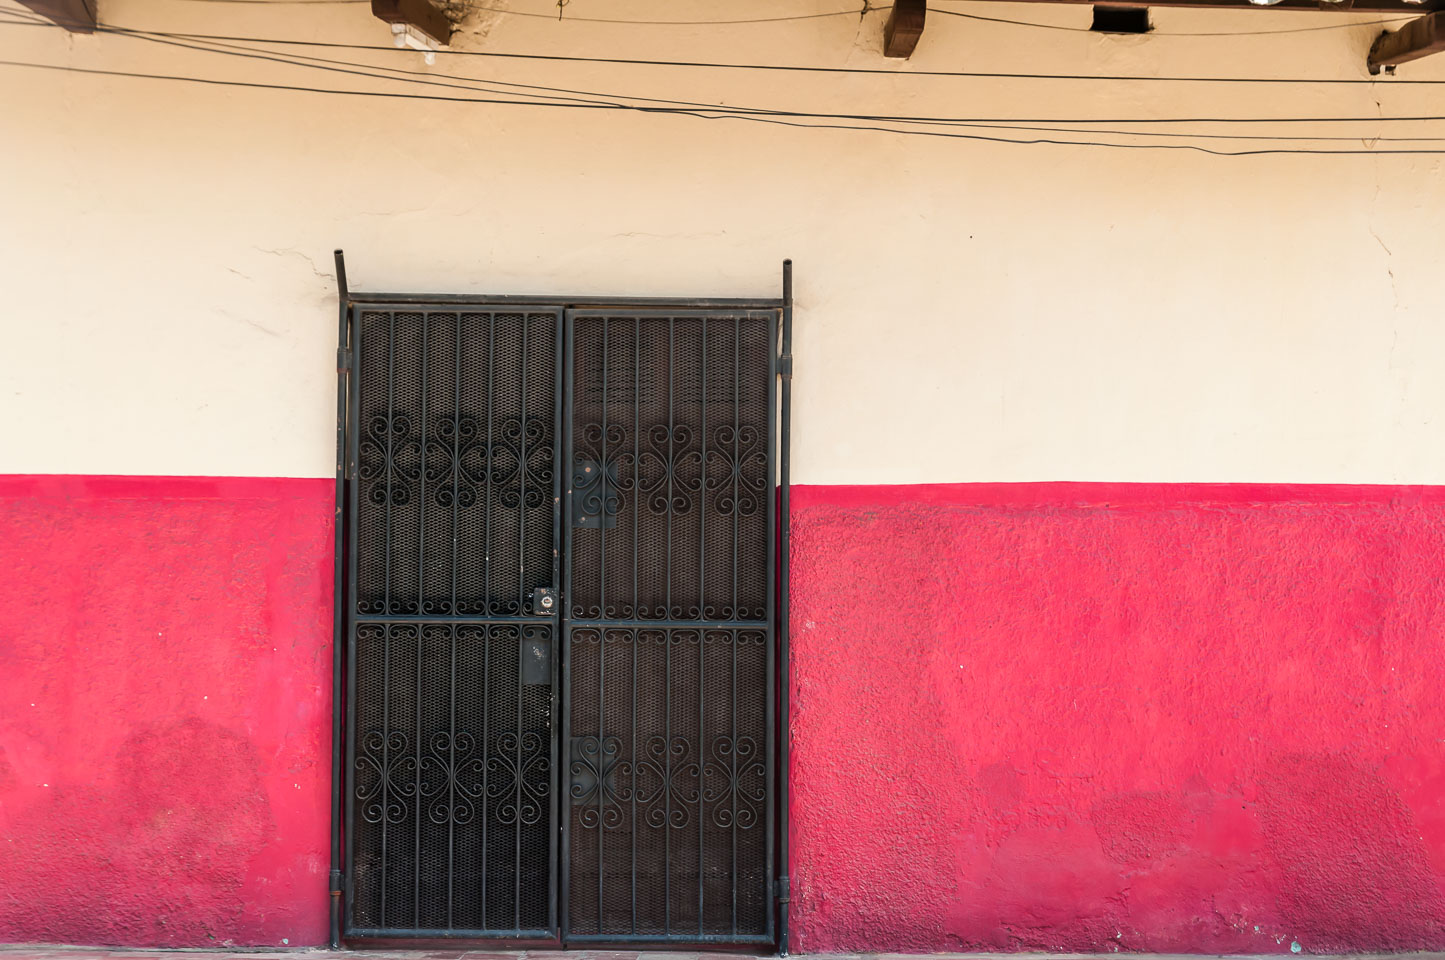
(336, 883)
(781, 890)
(343, 359)
(785, 366)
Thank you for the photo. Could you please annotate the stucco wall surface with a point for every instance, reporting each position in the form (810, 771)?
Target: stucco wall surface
(165, 710)
(1088, 717)
(967, 311)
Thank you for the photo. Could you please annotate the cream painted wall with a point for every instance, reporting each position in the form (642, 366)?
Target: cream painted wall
(966, 311)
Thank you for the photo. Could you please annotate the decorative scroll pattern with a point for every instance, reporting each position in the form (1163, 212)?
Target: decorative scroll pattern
(516, 460)
(673, 782)
(389, 458)
(386, 779)
(451, 779)
(737, 471)
(672, 469)
(739, 796)
(451, 776)
(596, 469)
(595, 770)
(521, 781)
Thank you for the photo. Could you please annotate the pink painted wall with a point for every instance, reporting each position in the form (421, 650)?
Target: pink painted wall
(1047, 716)
(165, 709)
(1119, 717)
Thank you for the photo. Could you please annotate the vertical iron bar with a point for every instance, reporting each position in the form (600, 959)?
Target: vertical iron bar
(487, 605)
(602, 646)
(452, 779)
(556, 634)
(737, 613)
(701, 612)
(353, 563)
(784, 674)
(489, 633)
(338, 598)
(386, 595)
(636, 457)
(420, 629)
(671, 426)
(733, 824)
(521, 609)
(636, 634)
(456, 479)
(667, 658)
(564, 857)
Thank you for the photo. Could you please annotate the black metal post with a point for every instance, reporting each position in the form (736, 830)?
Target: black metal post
(785, 367)
(338, 598)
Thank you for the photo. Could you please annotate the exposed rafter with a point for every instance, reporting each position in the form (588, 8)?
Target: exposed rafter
(77, 16)
(904, 27)
(1416, 39)
(422, 15)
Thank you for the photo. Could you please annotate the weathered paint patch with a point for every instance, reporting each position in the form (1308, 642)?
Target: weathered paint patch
(1119, 717)
(164, 710)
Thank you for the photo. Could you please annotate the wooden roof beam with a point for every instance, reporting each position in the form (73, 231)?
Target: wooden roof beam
(1416, 39)
(77, 16)
(423, 15)
(904, 27)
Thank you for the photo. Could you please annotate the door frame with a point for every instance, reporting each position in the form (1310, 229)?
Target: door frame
(780, 386)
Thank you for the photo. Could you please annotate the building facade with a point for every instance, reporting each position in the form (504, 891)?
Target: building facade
(1116, 516)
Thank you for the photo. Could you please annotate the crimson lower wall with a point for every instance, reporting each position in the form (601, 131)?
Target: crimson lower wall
(165, 707)
(1097, 717)
(1038, 716)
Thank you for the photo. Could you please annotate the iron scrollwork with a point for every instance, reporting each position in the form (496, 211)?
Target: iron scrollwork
(672, 782)
(739, 782)
(737, 470)
(390, 459)
(383, 760)
(596, 765)
(445, 782)
(522, 770)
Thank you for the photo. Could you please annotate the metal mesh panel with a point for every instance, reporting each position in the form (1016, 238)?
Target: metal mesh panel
(455, 509)
(669, 782)
(670, 463)
(454, 525)
(670, 654)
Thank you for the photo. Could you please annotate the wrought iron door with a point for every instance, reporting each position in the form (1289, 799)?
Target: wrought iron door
(507, 464)
(451, 813)
(668, 675)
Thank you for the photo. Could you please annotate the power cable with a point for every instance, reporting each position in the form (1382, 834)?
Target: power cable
(747, 117)
(801, 68)
(432, 79)
(1170, 33)
(566, 94)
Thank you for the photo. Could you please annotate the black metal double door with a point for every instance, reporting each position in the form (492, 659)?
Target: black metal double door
(561, 662)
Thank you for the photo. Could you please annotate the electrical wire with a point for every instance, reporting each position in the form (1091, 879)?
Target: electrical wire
(610, 100)
(802, 68)
(566, 18)
(211, 81)
(867, 9)
(1171, 33)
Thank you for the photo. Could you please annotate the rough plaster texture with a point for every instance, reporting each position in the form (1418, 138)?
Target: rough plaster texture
(1113, 717)
(165, 710)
